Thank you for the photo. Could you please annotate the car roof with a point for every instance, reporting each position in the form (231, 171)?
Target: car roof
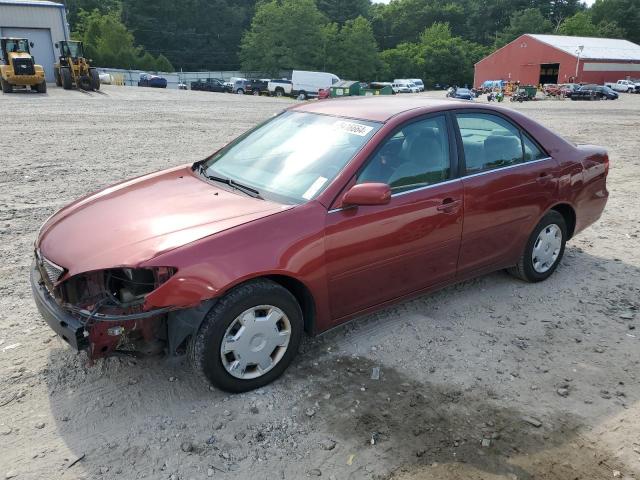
(378, 108)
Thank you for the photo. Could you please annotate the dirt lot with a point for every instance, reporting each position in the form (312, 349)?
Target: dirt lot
(491, 379)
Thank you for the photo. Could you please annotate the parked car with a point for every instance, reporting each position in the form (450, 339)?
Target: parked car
(324, 93)
(418, 83)
(567, 89)
(238, 85)
(411, 86)
(153, 81)
(594, 92)
(209, 85)
(258, 87)
(230, 259)
(463, 94)
(403, 86)
(599, 92)
(627, 86)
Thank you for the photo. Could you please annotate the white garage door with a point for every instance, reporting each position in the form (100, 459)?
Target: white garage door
(42, 49)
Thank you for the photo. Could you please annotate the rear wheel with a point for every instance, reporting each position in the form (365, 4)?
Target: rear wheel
(256, 93)
(240, 91)
(544, 249)
(56, 74)
(6, 86)
(65, 73)
(95, 79)
(279, 92)
(248, 338)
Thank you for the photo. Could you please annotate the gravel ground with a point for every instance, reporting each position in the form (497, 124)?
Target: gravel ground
(490, 379)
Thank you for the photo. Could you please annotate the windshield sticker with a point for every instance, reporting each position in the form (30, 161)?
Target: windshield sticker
(353, 128)
(313, 189)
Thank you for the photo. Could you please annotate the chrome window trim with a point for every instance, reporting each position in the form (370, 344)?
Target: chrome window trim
(505, 168)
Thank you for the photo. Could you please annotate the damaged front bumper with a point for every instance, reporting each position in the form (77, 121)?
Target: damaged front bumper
(68, 327)
(104, 334)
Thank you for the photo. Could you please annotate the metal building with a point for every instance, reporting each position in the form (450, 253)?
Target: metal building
(534, 59)
(44, 23)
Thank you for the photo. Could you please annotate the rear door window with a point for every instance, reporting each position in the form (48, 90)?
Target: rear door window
(489, 142)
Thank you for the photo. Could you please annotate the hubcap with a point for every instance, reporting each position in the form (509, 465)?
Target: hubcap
(255, 341)
(546, 249)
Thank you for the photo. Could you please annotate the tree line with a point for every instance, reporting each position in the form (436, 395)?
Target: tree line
(436, 40)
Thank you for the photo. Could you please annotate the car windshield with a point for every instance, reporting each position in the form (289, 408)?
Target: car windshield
(292, 157)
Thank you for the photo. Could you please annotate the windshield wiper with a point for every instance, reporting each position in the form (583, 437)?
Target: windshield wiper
(232, 183)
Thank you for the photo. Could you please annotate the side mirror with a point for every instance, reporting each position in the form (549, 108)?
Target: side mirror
(367, 194)
(31, 44)
(57, 45)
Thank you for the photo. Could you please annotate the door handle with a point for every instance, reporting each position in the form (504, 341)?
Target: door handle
(449, 205)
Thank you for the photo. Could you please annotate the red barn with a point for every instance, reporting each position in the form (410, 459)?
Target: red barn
(534, 59)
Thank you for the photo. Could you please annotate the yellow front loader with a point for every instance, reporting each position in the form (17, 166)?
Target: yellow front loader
(73, 69)
(17, 68)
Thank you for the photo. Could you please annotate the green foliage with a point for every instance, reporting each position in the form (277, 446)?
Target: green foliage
(340, 11)
(355, 51)
(109, 44)
(284, 34)
(581, 25)
(74, 7)
(624, 14)
(439, 57)
(192, 34)
(529, 20)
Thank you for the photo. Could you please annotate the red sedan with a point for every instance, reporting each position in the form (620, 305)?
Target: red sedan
(325, 212)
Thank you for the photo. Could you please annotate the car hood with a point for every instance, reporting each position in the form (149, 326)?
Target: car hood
(136, 220)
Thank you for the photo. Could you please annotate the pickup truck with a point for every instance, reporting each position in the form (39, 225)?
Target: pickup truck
(280, 88)
(209, 85)
(628, 86)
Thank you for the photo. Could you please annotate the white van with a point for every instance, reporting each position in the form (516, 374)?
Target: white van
(306, 84)
(405, 86)
(418, 83)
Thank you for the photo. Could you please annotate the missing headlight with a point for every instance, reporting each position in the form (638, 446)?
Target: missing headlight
(129, 286)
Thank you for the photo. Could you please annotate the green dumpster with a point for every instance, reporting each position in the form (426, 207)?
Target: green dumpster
(377, 88)
(346, 88)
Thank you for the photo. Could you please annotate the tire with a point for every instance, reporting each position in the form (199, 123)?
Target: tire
(85, 83)
(240, 91)
(56, 74)
(5, 86)
(67, 83)
(95, 79)
(525, 269)
(302, 95)
(42, 87)
(204, 350)
(279, 92)
(256, 93)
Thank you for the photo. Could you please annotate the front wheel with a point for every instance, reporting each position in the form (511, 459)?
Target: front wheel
(248, 338)
(41, 87)
(544, 249)
(5, 86)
